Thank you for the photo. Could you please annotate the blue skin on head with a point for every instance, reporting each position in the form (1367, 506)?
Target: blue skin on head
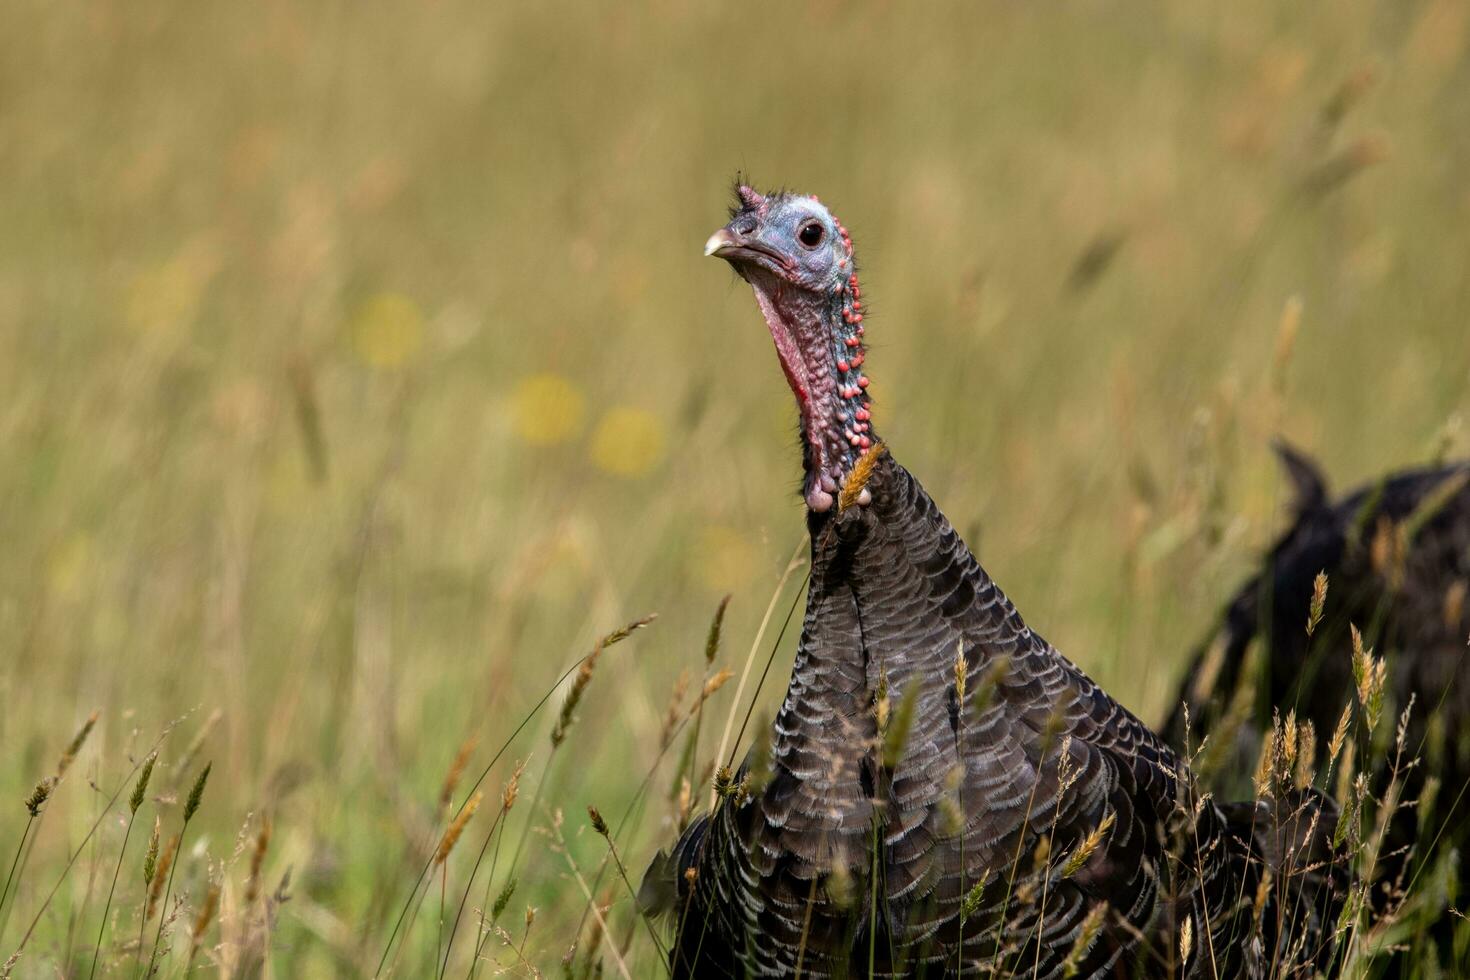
(798, 259)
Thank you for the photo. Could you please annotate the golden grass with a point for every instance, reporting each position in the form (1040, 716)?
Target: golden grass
(361, 368)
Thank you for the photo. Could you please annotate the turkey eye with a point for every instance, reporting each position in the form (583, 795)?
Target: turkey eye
(810, 234)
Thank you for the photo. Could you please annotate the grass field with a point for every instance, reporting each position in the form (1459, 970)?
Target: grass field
(360, 369)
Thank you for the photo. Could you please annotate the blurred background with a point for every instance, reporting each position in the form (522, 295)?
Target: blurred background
(360, 367)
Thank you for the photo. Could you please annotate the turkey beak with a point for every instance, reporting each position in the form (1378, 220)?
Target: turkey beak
(721, 244)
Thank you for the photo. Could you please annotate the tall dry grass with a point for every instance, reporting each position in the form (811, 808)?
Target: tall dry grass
(360, 365)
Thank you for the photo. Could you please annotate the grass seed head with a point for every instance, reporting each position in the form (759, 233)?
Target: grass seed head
(456, 828)
(503, 899)
(206, 911)
(584, 676)
(1286, 332)
(716, 627)
(196, 794)
(200, 738)
(150, 858)
(456, 771)
(715, 682)
(1319, 602)
(1086, 933)
(257, 859)
(675, 712)
(512, 788)
(723, 778)
(1084, 851)
(857, 480)
(1262, 779)
(1428, 795)
(882, 704)
(160, 874)
(1369, 676)
(598, 824)
(990, 681)
(69, 756)
(1454, 603)
(961, 673)
(684, 803)
(895, 739)
(758, 767)
(839, 886)
(40, 795)
(952, 815)
(1306, 754)
(972, 899)
(1339, 733)
(140, 789)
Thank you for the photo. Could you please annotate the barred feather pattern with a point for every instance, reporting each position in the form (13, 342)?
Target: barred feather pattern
(839, 862)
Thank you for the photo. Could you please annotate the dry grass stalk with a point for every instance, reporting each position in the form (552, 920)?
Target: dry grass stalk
(714, 683)
(961, 674)
(1454, 603)
(584, 677)
(1086, 934)
(759, 768)
(1369, 675)
(1263, 892)
(455, 829)
(1343, 166)
(161, 874)
(205, 916)
(896, 737)
(952, 815)
(257, 860)
(560, 847)
(205, 730)
(69, 756)
(882, 704)
(456, 771)
(512, 788)
(1319, 602)
(683, 804)
(1286, 333)
(1339, 734)
(1306, 754)
(1348, 94)
(1261, 781)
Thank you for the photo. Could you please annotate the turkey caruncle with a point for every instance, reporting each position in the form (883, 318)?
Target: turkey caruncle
(943, 793)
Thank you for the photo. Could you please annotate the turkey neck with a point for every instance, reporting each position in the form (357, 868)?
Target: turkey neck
(818, 338)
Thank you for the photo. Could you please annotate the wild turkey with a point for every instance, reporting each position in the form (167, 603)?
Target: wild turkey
(943, 793)
(1396, 554)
